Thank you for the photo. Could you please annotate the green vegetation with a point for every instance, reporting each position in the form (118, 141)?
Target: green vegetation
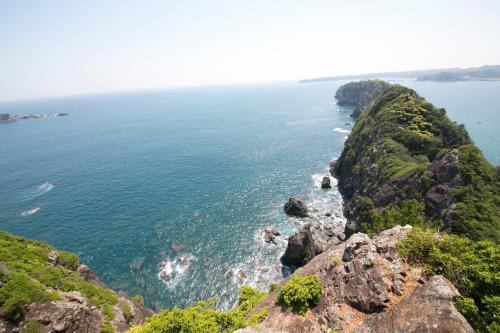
(387, 166)
(32, 327)
(106, 327)
(473, 267)
(127, 313)
(203, 318)
(360, 94)
(27, 277)
(301, 293)
(408, 212)
(478, 202)
(138, 299)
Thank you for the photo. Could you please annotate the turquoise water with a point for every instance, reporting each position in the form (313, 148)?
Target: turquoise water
(126, 176)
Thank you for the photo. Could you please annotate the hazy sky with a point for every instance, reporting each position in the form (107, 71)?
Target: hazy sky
(61, 47)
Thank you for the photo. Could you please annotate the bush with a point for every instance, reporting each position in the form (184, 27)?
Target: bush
(301, 293)
(138, 299)
(473, 267)
(107, 310)
(203, 318)
(68, 260)
(408, 212)
(127, 313)
(106, 327)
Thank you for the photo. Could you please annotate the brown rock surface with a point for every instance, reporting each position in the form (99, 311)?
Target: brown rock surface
(367, 287)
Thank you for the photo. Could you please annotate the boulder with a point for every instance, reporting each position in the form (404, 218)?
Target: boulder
(325, 183)
(270, 235)
(429, 308)
(296, 207)
(300, 249)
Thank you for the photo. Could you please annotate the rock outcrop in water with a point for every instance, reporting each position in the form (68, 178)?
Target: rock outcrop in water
(46, 290)
(360, 94)
(296, 207)
(325, 183)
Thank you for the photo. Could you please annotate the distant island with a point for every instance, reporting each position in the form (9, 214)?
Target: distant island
(5, 117)
(483, 73)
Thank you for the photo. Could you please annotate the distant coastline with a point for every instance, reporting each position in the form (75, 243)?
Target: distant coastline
(483, 73)
(6, 117)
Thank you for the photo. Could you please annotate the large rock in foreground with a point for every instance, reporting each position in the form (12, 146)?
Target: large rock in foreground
(368, 287)
(296, 207)
(300, 249)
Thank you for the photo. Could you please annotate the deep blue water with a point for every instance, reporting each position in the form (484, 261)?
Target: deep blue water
(126, 176)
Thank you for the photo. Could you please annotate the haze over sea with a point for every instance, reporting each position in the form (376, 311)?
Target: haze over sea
(125, 176)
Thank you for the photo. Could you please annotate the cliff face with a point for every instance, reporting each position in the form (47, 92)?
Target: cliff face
(405, 159)
(360, 94)
(46, 290)
(368, 287)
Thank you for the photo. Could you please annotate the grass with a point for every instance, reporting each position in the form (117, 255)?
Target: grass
(27, 277)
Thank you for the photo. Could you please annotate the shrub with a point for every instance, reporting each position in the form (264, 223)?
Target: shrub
(106, 327)
(473, 267)
(32, 326)
(127, 313)
(107, 310)
(138, 299)
(203, 318)
(408, 212)
(301, 293)
(68, 260)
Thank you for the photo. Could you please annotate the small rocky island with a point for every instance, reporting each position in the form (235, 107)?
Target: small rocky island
(5, 117)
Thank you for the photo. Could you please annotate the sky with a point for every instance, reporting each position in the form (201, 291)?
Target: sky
(57, 48)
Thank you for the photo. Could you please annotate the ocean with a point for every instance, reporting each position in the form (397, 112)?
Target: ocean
(165, 193)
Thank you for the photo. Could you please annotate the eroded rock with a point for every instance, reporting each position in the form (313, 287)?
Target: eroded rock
(296, 207)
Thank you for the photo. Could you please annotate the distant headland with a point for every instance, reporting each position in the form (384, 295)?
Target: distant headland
(483, 73)
(6, 117)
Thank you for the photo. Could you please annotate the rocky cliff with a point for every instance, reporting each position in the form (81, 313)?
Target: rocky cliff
(368, 287)
(405, 159)
(360, 94)
(44, 290)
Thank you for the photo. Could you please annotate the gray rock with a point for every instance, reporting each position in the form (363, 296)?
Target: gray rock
(300, 248)
(296, 207)
(325, 183)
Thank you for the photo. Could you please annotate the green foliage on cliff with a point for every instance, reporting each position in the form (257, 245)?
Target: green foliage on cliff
(477, 214)
(408, 212)
(27, 277)
(204, 318)
(360, 94)
(301, 293)
(473, 267)
(402, 148)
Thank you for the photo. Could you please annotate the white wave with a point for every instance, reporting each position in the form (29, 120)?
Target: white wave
(30, 211)
(172, 270)
(341, 130)
(318, 178)
(45, 187)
